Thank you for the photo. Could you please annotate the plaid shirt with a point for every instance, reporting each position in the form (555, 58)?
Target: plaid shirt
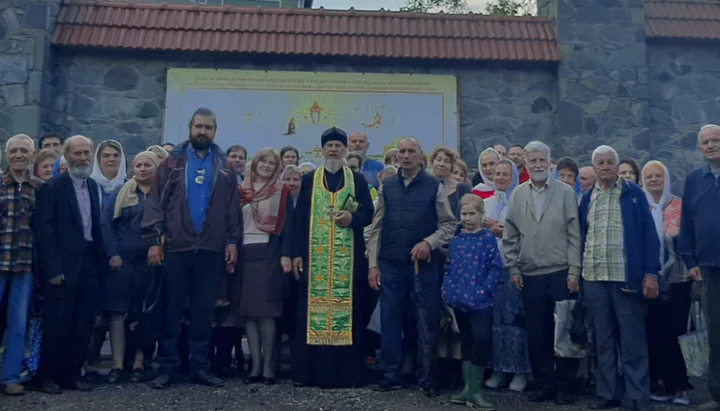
(604, 258)
(17, 206)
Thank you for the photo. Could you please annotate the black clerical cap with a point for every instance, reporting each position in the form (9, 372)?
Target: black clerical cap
(334, 134)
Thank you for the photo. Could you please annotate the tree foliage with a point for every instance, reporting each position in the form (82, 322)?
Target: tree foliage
(495, 7)
(436, 6)
(510, 7)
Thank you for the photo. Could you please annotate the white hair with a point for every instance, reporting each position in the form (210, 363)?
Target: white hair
(537, 147)
(290, 169)
(19, 137)
(707, 128)
(71, 140)
(605, 150)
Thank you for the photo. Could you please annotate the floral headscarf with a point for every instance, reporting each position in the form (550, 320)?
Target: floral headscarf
(268, 203)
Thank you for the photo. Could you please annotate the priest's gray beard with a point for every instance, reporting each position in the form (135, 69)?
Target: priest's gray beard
(334, 164)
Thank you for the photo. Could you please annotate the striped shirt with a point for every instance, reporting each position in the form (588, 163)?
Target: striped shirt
(604, 258)
(17, 206)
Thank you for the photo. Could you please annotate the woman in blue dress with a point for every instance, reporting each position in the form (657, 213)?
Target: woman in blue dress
(510, 350)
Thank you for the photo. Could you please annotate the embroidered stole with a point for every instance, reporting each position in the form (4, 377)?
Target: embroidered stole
(330, 265)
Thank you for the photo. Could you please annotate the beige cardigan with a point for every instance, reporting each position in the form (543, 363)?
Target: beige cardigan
(546, 243)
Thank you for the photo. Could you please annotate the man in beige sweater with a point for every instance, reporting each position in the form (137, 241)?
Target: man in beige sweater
(541, 243)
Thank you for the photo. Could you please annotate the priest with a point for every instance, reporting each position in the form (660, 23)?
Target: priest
(333, 208)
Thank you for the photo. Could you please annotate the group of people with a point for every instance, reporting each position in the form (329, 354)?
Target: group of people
(462, 273)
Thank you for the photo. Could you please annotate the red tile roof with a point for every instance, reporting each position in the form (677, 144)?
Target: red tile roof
(96, 23)
(682, 19)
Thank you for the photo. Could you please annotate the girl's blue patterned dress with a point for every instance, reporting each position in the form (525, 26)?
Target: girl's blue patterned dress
(473, 270)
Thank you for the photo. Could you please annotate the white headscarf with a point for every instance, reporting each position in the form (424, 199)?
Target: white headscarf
(656, 208)
(109, 186)
(487, 181)
(503, 197)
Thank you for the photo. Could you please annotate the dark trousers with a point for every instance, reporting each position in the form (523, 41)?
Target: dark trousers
(194, 278)
(476, 336)
(619, 319)
(711, 302)
(224, 340)
(540, 293)
(69, 318)
(399, 279)
(666, 321)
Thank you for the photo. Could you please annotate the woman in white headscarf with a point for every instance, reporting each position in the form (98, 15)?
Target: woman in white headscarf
(109, 171)
(667, 318)
(486, 168)
(110, 168)
(510, 350)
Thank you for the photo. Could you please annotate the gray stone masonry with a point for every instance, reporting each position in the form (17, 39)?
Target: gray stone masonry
(26, 28)
(684, 95)
(603, 94)
(108, 97)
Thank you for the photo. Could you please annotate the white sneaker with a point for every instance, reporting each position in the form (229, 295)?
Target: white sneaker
(681, 398)
(518, 383)
(497, 380)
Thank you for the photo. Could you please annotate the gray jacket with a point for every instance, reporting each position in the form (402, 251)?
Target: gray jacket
(546, 243)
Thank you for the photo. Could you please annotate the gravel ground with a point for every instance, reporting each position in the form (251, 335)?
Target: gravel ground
(283, 396)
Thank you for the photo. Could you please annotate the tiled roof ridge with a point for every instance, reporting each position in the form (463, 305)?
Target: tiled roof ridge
(121, 25)
(307, 12)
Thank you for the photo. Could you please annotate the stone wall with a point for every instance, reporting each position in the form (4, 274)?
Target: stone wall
(105, 96)
(685, 95)
(25, 59)
(603, 83)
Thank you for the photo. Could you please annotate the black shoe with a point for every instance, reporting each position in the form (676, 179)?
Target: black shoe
(388, 384)
(162, 381)
(138, 375)
(253, 379)
(114, 376)
(50, 387)
(76, 385)
(206, 378)
(603, 404)
(269, 381)
(545, 394)
(564, 398)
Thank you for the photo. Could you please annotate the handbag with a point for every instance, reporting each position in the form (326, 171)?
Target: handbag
(694, 344)
(564, 345)
(32, 349)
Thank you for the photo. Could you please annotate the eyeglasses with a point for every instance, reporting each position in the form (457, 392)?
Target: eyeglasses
(201, 176)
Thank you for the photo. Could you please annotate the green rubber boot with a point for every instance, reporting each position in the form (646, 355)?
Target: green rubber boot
(462, 396)
(475, 397)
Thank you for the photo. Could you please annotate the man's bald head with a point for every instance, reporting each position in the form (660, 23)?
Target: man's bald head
(358, 142)
(410, 154)
(587, 178)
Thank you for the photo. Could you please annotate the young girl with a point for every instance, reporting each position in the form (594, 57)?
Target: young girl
(472, 273)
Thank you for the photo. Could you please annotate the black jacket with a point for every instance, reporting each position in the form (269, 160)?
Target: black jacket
(59, 232)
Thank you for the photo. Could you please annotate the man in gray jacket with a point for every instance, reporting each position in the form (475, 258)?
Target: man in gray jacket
(541, 243)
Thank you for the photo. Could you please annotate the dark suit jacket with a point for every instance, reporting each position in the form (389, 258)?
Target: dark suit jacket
(59, 232)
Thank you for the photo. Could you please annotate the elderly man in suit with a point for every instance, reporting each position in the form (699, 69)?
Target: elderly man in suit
(70, 256)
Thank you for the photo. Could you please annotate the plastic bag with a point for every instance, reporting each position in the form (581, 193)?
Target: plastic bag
(564, 345)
